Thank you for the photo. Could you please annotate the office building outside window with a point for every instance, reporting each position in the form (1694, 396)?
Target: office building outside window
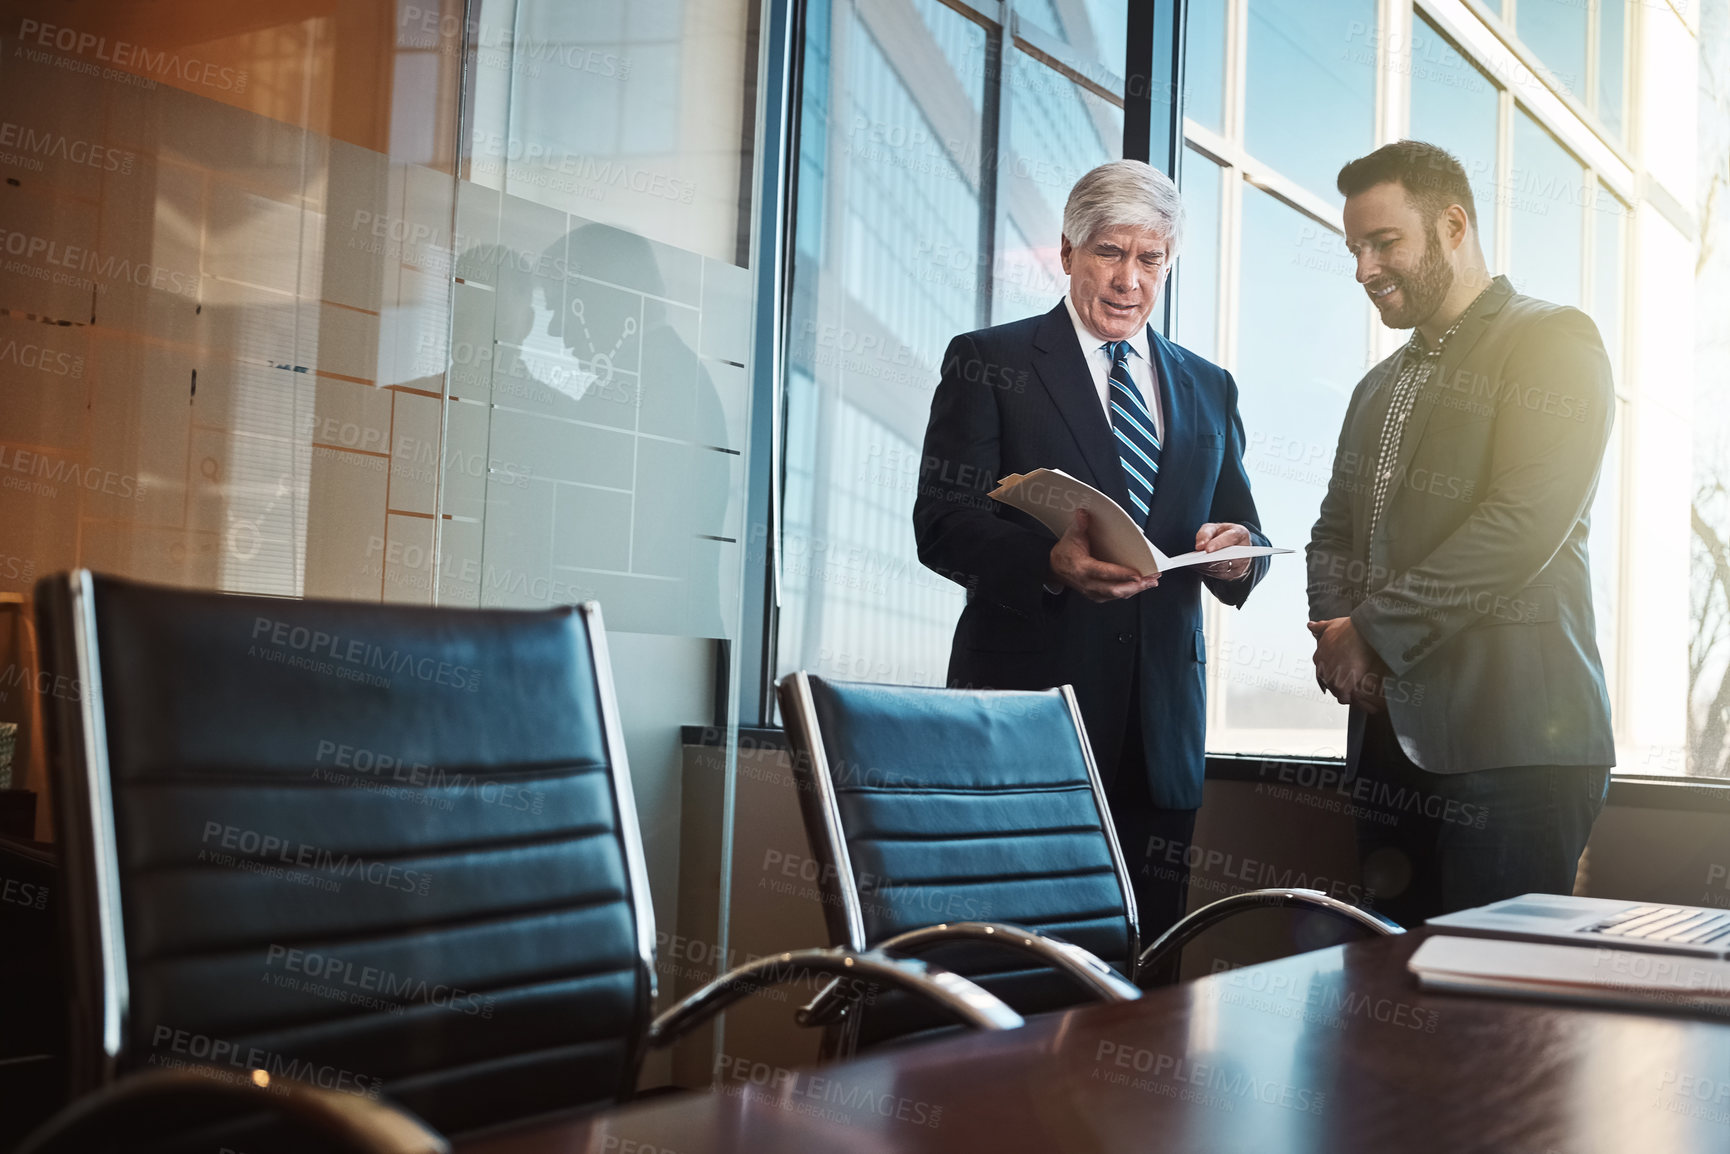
(935, 156)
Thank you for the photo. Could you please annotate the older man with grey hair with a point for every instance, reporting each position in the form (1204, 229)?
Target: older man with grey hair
(1092, 389)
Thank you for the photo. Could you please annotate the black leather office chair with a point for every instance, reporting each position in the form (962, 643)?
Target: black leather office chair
(320, 853)
(949, 820)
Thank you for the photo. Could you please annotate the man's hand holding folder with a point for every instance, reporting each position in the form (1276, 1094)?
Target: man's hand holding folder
(1074, 564)
(1101, 552)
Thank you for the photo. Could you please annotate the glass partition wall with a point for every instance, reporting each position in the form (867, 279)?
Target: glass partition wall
(399, 301)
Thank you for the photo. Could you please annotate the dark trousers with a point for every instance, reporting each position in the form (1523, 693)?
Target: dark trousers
(1155, 841)
(1433, 843)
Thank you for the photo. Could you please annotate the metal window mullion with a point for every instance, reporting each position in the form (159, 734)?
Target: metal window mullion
(1236, 69)
(996, 213)
(1589, 185)
(1589, 82)
(992, 143)
(1393, 83)
(1624, 432)
(1231, 188)
(1504, 206)
(1139, 63)
(1575, 126)
(781, 71)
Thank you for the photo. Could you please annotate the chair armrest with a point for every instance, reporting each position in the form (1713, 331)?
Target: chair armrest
(350, 1123)
(1089, 971)
(950, 991)
(1168, 945)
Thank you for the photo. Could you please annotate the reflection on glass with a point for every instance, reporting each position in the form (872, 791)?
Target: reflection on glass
(1612, 41)
(1311, 87)
(1304, 323)
(1545, 188)
(605, 408)
(656, 147)
(888, 269)
(1197, 271)
(1096, 30)
(612, 442)
(1204, 63)
(1454, 106)
(331, 346)
(814, 144)
(1556, 31)
(1028, 279)
(1058, 130)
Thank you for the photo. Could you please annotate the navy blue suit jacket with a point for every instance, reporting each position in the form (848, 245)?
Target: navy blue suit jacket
(1019, 397)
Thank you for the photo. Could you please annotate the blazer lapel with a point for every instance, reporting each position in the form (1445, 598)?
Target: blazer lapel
(1062, 369)
(1458, 348)
(1177, 446)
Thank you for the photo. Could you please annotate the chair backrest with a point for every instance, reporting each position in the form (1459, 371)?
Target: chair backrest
(383, 848)
(940, 805)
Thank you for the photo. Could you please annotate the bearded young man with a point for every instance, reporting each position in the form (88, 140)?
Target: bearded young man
(1448, 585)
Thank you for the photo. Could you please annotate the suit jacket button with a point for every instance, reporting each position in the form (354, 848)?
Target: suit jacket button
(1125, 638)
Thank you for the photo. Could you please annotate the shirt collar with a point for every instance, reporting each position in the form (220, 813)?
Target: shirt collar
(1420, 347)
(1091, 344)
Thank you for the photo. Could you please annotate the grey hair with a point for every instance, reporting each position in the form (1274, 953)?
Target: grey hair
(1124, 194)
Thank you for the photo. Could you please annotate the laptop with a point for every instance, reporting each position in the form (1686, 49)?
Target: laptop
(1606, 923)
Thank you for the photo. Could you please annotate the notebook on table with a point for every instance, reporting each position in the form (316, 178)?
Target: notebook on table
(1592, 975)
(1595, 950)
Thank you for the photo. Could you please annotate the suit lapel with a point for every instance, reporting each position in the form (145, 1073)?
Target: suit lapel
(1176, 447)
(1062, 369)
(1458, 348)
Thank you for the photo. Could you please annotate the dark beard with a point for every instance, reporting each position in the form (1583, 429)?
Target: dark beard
(1423, 289)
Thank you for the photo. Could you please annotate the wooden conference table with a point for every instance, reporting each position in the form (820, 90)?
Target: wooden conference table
(1331, 1052)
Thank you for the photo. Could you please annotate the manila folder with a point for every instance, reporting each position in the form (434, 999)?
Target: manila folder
(1051, 497)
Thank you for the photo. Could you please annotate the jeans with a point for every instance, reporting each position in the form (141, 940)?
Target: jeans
(1433, 843)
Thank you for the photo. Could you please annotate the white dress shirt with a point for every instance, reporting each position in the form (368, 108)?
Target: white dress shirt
(1141, 369)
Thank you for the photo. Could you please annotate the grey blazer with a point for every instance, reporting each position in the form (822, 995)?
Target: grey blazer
(1475, 588)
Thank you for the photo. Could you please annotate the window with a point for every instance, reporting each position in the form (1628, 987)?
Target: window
(1546, 190)
(1196, 274)
(889, 267)
(1094, 29)
(1612, 47)
(1204, 63)
(899, 250)
(1555, 30)
(1058, 130)
(1311, 87)
(1563, 186)
(1454, 105)
(1303, 345)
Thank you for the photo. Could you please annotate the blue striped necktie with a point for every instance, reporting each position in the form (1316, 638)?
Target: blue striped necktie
(1137, 447)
